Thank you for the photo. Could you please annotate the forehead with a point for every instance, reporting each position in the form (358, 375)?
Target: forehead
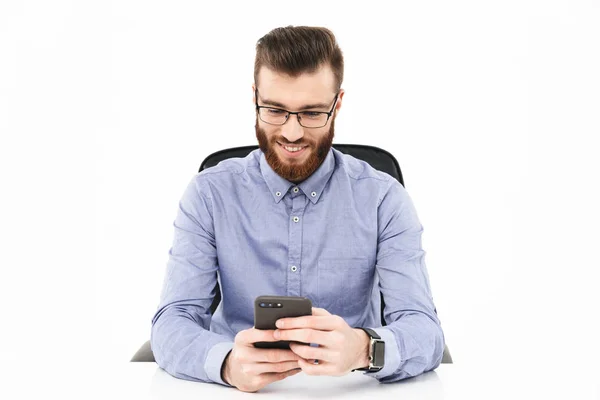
(317, 87)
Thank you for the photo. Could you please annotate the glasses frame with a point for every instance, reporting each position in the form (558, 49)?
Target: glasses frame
(297, 113)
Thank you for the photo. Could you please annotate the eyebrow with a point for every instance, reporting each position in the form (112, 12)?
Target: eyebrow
(304, 107)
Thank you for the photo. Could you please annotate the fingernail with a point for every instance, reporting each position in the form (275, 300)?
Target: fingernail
(279, 324)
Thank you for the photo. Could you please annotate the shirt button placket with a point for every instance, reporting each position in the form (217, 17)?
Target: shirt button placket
(295, 245)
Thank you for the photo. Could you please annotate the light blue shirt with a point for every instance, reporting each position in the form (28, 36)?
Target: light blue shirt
(339, 238)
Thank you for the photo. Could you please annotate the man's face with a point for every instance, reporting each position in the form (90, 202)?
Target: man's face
(295, 94)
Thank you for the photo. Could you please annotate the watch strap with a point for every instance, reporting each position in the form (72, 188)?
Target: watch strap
(372, 334)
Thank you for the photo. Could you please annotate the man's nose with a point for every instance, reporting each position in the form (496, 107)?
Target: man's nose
(292, 130)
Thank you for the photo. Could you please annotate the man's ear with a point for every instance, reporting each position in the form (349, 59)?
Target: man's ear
(253, 93)
(338, 106)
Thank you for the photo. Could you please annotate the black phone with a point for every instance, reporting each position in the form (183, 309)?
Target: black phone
(268, 309)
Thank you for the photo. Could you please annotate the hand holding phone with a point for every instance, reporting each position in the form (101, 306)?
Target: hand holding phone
(249, 366)
(250, 369)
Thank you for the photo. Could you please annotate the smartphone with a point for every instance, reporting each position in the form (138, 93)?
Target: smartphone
(268, 309)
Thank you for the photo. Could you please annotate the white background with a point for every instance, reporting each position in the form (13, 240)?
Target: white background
(492, 109)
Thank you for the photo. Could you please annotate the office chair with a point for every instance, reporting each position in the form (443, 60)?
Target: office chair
(376, 157)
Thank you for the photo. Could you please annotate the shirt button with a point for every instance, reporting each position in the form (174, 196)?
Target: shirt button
(313, 194)
(294, 268)
(277, 194)
(296, 190)
(296, 219)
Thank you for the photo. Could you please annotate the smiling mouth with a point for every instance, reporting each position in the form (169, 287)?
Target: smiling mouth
(293, 149)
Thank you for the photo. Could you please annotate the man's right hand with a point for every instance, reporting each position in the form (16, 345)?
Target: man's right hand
(249, 368)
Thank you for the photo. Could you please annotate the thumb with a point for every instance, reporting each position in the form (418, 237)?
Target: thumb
(320, 311)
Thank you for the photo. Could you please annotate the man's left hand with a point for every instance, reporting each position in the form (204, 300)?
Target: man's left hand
(341, 347)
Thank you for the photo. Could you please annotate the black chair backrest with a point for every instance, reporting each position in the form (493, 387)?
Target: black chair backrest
(376, 157)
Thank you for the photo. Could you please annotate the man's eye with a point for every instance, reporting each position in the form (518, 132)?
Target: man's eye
(275, 111)
(311, 114)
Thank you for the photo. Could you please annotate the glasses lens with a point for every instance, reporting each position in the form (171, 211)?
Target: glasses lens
(273, 116)
(313, 119)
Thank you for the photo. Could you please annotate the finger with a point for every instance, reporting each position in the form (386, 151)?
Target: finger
(319, 312)
(323, 338)
(265, 367)
(309, 368)
(312, 353)
(269, 378)
(250, 336)
(321, 322)
(271, 355)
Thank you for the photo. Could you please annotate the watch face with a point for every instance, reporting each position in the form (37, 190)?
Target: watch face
(379, 354)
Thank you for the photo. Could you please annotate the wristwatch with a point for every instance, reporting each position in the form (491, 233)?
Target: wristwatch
(376, 352)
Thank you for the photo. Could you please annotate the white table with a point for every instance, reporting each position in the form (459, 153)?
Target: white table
(147, 381)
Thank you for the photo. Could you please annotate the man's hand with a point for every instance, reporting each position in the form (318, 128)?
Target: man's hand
(341, 348)
(250, 369)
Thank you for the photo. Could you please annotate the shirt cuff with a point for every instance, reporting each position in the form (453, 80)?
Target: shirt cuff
(214, 361)
(392, 354)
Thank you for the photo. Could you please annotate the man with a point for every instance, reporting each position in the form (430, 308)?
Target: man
(298, 218)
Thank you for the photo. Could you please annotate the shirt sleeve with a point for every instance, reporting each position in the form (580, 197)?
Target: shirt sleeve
(414, 340)
(181, 340)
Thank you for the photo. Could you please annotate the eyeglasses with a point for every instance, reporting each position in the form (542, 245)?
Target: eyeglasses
(307, 119)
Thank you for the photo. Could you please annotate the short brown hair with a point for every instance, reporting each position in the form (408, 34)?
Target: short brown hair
(294, 50)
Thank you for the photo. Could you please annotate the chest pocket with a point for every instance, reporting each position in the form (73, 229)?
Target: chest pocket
(344, 285)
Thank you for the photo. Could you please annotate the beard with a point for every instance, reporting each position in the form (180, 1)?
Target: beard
(295, 172)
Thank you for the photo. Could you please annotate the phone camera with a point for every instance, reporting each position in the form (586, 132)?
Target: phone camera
(270, 305)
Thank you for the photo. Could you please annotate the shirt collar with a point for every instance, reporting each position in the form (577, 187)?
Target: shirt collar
(312, 187)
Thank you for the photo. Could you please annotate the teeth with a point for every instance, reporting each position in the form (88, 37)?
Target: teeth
(292, 149)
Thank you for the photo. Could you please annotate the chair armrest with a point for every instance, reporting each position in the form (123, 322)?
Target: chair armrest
(144, 354)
